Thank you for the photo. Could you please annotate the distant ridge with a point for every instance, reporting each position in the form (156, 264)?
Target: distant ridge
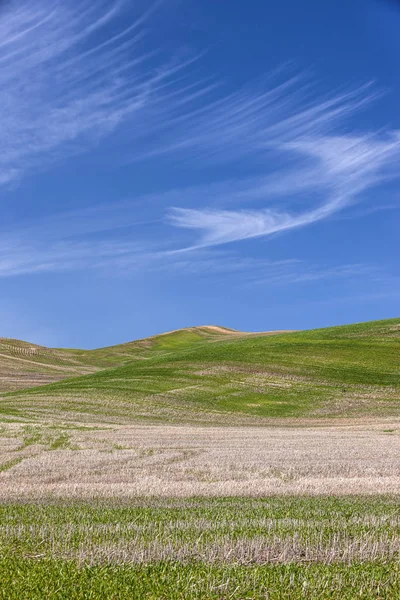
(25, 364)
(213, 329)
(210, 374)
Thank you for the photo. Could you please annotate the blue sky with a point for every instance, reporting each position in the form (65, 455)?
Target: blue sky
(176, 163)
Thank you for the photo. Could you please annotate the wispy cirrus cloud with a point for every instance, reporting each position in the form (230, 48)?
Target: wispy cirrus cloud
(126, 258)
(70, 74)
(27, 258)
(91, 239)
(336, 167)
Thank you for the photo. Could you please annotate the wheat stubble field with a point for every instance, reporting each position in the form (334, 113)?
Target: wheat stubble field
(189, 461)
(203, 463)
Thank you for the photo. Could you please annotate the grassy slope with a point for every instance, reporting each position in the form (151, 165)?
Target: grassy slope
(350, 370)
(275, 548)
(55, 579)
(24, 365)
(223, 548)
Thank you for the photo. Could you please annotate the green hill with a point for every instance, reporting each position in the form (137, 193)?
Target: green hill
(216, 375)
(24, 365)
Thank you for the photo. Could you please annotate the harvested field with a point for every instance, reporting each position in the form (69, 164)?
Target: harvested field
(42, 461)
(230, 530)
(203, 463)
(276, 548)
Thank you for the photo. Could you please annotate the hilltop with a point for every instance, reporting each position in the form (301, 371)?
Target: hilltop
(24, 364)
(213, 374)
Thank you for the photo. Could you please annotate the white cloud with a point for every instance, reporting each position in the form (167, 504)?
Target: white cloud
(301, 272)
(63, 89)
(32, 258)
(341, 166)
(254, 120)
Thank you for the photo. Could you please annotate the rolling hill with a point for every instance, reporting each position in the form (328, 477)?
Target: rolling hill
(212, 374)
(23, 364)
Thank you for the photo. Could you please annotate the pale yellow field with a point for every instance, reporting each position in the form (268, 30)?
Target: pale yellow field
(138, 460)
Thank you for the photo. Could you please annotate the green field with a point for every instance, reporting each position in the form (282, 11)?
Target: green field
(203, 464)
(201, 376)
(23, 364)
(194, 549)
